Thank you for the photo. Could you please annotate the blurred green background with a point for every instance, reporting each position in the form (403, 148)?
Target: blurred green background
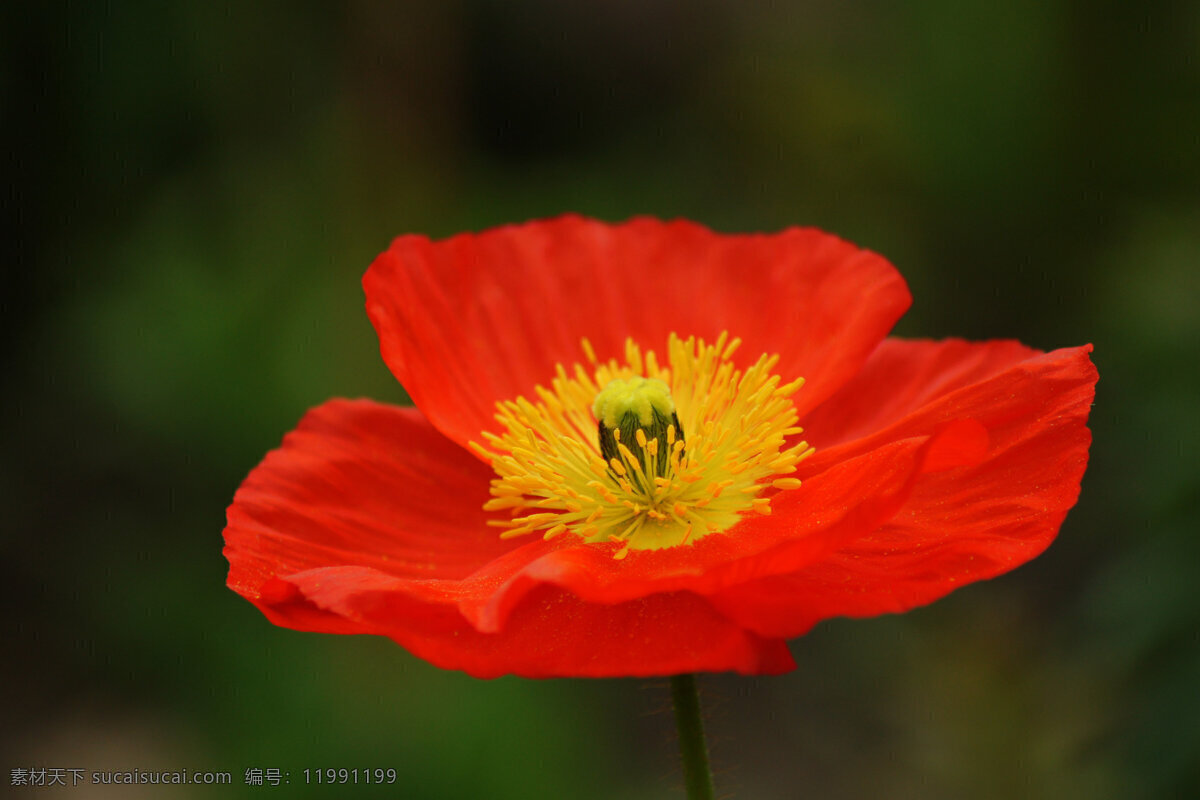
(196, 188)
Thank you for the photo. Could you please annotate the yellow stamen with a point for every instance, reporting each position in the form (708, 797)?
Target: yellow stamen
(683, 450)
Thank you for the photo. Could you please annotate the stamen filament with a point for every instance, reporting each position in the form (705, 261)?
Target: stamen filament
(640, 482)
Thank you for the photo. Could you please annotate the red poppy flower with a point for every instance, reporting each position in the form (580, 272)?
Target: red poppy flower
(605, 473)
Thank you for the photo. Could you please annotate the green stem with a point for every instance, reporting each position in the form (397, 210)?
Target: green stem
(696, 773)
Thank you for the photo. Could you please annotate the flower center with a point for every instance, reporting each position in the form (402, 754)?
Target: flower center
(634, 481)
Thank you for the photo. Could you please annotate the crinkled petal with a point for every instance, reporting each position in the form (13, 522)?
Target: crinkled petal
(958, 525)
(478, 318)
(550, 632)
(847, 501)
(921, 385)
(903, 376)
(367, 520)
(363, 484)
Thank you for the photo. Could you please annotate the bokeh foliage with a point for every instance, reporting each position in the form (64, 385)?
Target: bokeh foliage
(197, 188)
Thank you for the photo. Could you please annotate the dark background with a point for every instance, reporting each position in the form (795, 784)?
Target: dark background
(195, 189)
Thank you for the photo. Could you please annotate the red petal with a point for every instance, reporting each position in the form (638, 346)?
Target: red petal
(478, 318)
(367, 520)
(902, 376)
(962, 524)
(912, 388)
(550, 633)
(847, 501)
(363, 484)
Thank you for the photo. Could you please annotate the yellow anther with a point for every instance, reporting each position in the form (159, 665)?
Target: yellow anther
(641, 483)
